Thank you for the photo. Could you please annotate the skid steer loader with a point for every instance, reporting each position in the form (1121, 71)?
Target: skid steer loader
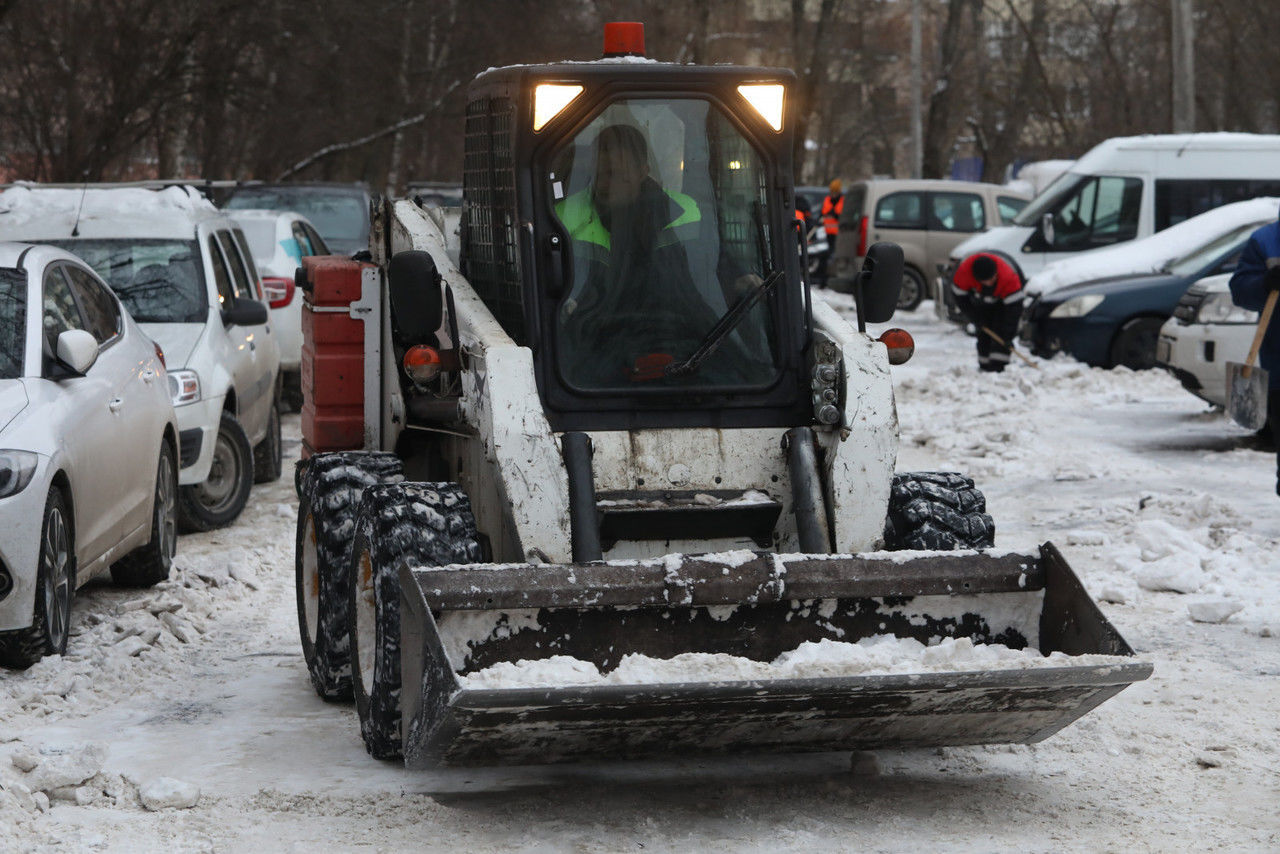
(600, 417)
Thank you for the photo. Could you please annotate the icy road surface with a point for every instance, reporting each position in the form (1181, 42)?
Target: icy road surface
(200, 684)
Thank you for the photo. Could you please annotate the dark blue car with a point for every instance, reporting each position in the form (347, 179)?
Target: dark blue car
(1116, 320)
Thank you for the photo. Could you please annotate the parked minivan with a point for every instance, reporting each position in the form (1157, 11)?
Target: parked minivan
(926, 218)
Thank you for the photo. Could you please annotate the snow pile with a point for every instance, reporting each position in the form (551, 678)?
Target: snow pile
(874, 656)
(1151, 253)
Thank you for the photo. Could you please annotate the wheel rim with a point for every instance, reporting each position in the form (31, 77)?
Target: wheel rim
(166, 509)
(55, 559)
(910, 290)
(310, 579)
(219, 490)
(366, 621)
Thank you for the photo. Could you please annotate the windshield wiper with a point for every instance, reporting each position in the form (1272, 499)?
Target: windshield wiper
(726, 324)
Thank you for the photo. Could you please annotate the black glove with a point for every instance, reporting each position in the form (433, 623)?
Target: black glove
(1272, 278)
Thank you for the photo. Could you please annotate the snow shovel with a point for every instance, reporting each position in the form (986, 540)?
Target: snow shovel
(1246, 385)
(1009, 347)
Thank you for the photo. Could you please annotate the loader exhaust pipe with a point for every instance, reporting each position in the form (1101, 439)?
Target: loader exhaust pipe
(806, 491)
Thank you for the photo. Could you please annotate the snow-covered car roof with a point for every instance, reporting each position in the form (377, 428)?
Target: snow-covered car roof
(32, 212)
(1149, 254)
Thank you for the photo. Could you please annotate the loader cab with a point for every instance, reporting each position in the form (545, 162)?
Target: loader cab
(616, 213)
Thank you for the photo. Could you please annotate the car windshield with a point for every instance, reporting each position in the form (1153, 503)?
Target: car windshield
(663, 202)
(1197, 259)
(338, 215)
(159, 281)
(13, 322)
(1049, 199)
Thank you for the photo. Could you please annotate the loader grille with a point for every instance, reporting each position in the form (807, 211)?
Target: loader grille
(489, 212)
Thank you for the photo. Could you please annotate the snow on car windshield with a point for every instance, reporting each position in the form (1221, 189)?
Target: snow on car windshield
(336, 215)
(159, 281)
(13, 322)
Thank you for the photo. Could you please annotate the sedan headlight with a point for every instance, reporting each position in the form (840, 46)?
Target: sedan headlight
(1077, 306)
(184, 387)
(16, 470)
(1218, 308)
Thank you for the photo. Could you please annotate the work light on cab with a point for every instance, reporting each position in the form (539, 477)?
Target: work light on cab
(767, 99)
(550, 99)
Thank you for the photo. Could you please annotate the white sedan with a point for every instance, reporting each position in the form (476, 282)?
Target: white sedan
(1207, 330)
(88, 447)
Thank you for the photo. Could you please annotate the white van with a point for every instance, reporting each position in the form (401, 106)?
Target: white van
(1131, 187)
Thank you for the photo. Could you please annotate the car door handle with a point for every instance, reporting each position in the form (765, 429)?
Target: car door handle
(116, 404)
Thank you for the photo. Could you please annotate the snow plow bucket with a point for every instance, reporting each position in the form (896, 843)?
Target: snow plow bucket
(465, 700)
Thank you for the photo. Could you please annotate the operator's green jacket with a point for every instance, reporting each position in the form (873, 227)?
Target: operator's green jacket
(579, 216)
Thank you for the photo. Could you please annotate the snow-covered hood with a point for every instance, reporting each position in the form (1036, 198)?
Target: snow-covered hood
(13, 399)
(177, 340)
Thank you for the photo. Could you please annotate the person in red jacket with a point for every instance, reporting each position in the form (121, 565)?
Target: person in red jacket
(989, 291)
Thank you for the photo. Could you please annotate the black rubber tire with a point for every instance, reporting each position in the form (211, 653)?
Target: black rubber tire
(914, 288)
(430, 523)
(55, 585)
(148, 565)
(1134, 346)
(194, 513)
(291, 391)
(299, 476)
(937, 511)
(267, 455)
(331, 495)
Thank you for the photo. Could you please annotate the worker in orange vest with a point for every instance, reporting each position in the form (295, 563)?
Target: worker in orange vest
(832, 207)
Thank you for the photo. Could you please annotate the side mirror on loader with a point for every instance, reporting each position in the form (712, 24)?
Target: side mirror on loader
(417, 300)
(879, 283)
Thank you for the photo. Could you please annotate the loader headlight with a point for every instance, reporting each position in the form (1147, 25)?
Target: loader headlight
(767, 98)
(184, 387)
(1219, 308)
(550, 99)
(16, 470)
(1077, 306)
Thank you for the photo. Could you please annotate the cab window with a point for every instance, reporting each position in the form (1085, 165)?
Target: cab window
(662, 203)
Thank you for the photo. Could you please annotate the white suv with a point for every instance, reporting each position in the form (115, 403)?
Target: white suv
(183, 271)
(1207, 330)
(279, 240)
(88, 448)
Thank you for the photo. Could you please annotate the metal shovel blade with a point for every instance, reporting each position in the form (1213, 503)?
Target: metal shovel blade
(1247, 395)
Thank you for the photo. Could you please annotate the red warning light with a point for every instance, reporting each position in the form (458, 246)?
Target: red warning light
(624, 38)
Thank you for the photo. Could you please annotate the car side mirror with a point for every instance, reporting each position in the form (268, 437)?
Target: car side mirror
(879, 283)
(1046, 228)
(77, 350)
(244, 312)
(417, 300)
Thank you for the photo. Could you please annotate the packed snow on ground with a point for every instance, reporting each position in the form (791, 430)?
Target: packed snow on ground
(193, 697)
(1150, 254)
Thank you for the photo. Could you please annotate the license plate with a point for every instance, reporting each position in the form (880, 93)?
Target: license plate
(1164, 350)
